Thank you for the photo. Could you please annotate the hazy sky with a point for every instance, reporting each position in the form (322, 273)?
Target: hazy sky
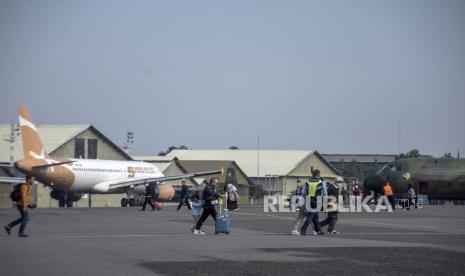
(335, 76)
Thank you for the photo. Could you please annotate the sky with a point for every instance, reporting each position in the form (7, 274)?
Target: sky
(333, 76)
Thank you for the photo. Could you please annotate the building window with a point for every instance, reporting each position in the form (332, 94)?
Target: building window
(92, 148)
(79, 148)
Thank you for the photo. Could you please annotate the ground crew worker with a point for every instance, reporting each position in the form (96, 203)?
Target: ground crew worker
(389, 194)
(23, 205)
(314, 189)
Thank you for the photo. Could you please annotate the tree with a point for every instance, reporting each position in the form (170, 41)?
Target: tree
(413, 153)
(447, 155)
(170, 148)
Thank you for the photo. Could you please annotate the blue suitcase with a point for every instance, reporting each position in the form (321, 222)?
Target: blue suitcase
(222, 224)
(222, 221)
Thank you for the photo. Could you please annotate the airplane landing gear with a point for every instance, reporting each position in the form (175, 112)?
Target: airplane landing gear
(130, 199)
(124, 202)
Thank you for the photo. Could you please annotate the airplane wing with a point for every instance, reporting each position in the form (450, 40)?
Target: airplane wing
(140, 181)
(7, 179)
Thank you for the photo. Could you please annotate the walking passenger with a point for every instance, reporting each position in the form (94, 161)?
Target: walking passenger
(357, 193)
(301, 210)
(210, 198)
(149, 193)
(184, 196)
(23, 205)
(196, 209)
(412, 197)
(331, 219)
(231, 192)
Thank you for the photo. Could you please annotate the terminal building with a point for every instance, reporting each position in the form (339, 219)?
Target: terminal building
(277, 171)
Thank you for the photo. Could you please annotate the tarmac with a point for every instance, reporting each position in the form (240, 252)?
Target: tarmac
(125, 241)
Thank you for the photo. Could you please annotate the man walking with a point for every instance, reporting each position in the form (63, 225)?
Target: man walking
(149, 193)
(357, 193)
(331, 219)
(184, 196)
(412, 197)
(210, 198)
(23, 205)
(301, 210)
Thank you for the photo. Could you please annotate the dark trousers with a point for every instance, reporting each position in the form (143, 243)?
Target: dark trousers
(412, 202)
(330, 220)
(232, 205)
(184, 200)
(24, 219)
(207, 211)
(148, 200)
(312, 217)
(391, 201)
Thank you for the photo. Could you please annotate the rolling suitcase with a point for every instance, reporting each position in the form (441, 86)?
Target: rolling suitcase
(222, 222)
(157, 206)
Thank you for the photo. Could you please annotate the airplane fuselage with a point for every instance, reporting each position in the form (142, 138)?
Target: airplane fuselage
(88, 175)
(435, 177)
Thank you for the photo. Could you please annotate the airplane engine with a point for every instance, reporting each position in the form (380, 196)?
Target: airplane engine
(139, 189)
(164, 192)
(65, 199)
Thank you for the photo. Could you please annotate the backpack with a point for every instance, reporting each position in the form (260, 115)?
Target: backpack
(333, 190)
(15, 195)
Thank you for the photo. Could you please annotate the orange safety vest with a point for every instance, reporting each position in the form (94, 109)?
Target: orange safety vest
(388, 190)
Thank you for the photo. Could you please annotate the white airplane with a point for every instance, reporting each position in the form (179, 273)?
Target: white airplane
(75, 177)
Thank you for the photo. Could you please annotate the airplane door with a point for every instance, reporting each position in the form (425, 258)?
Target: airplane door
(423, 188)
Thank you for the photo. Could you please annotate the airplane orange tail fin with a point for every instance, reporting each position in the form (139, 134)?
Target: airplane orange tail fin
(32, 145)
